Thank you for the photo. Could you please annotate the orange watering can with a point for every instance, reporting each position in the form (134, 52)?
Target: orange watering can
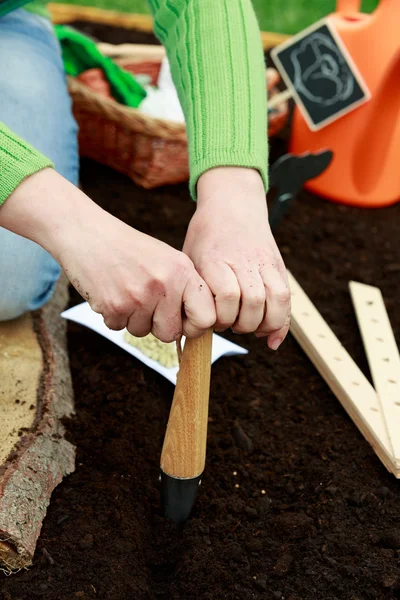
(365, 170)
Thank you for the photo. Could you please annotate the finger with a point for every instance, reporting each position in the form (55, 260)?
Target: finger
(116, 322)
(223, 283)
(140, 323)
(253, 301)
(199, 307)
(167, 318)
(128, 312)
(276, 338)
(115, 314)
(278, 302)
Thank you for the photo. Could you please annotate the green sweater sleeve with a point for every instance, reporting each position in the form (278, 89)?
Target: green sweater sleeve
(217, 64)
(18, 160)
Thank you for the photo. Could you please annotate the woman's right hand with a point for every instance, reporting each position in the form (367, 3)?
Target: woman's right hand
(133, 280)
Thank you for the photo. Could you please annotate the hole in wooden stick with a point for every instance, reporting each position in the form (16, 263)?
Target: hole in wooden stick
(397, 403)
(321, 335)
(355, 383)
(374, 409)
(374, 321)
(392, 381)
(386, 359)
(305, 314)
(380, 339)
(370, 302)
(338, 358)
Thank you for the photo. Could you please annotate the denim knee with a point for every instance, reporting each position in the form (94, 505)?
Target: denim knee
(28, 275)
(10, 309)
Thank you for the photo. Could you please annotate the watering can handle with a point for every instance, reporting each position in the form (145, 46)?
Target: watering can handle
(348, 6)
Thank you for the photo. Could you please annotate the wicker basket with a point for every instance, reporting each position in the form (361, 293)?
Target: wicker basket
(152, 152)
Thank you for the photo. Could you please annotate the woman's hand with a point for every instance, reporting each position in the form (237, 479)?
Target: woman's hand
(133, 280)
(231, 245)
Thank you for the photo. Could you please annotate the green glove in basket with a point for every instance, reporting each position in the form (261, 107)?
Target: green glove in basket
(80, 53)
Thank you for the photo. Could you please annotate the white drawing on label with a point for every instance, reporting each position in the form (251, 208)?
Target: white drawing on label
(326, 63)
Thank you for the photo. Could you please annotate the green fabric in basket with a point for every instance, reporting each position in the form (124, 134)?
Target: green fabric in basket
(81, 53)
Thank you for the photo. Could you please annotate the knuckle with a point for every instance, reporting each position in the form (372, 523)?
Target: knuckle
(156, 286)
(116, 307)
(182, 264)
(97, 307)
(256, 300)
(229, 296)
(283, 296)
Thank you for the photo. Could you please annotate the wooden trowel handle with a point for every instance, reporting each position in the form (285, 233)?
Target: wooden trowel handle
(184, 450)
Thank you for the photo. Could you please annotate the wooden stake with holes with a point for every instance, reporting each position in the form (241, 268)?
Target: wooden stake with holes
(382, 353)
(341, 373)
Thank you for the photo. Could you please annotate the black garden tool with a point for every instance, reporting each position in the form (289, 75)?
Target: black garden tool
(288, 175)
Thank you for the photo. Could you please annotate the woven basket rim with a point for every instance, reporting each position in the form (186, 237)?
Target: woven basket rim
(145, 123)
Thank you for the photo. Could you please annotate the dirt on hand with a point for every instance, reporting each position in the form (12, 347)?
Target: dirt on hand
(304, 512)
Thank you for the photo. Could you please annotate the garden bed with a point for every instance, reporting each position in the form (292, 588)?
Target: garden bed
(311, 513)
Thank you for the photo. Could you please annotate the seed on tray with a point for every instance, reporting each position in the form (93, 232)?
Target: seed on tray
(163, 353)
(236, 485)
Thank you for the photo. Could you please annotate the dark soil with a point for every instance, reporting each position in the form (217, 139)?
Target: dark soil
(328, 525)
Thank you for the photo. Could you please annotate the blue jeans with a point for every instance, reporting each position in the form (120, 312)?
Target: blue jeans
(34, 103)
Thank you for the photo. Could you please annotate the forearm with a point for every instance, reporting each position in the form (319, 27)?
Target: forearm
(47, 209)
(18, 160)
(217, 64)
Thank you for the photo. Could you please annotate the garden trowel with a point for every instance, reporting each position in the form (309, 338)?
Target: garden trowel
(184, 450)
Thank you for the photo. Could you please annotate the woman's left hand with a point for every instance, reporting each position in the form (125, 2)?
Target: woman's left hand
(231, 245)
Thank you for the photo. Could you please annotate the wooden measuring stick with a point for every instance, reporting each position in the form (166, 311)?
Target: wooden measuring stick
(382, 353)
(184, 450)
(341, 373)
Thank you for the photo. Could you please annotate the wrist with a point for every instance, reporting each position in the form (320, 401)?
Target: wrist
(229, 184)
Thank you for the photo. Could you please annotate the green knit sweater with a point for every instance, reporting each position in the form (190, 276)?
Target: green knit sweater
(217, 64)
